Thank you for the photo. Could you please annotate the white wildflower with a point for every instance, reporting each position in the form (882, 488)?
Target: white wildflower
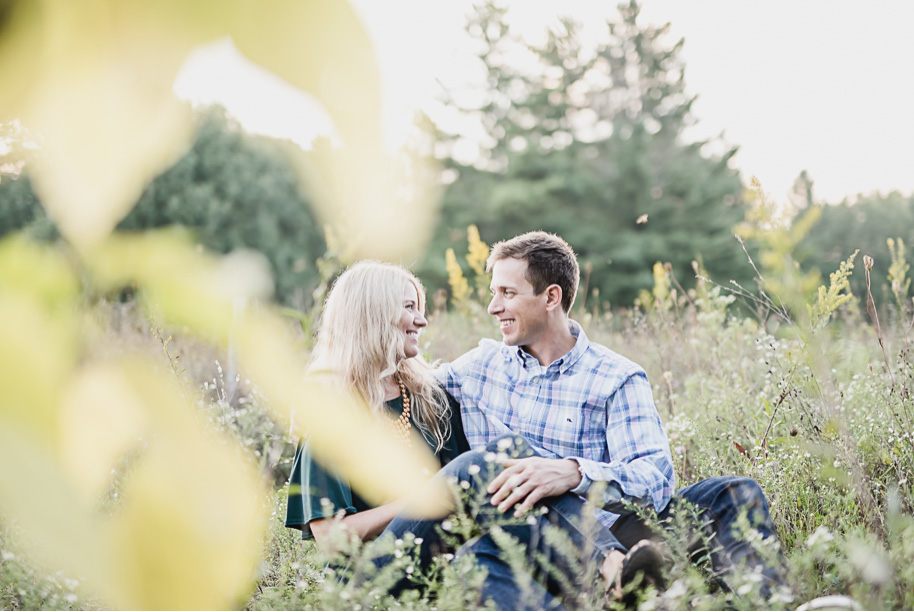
(821, 534)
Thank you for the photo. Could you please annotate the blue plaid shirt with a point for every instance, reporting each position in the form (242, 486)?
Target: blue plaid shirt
(592, 405)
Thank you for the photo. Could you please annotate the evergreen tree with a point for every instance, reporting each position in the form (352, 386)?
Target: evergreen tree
(585, 143)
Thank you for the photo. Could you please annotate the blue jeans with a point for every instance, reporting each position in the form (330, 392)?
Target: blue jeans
(566, 512)
(719, 502)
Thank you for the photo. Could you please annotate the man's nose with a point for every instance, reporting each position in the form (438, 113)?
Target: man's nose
(494, 305)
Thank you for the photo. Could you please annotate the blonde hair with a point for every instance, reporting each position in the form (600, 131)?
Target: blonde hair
(360, 341)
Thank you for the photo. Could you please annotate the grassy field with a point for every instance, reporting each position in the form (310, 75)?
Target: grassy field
(817, 409)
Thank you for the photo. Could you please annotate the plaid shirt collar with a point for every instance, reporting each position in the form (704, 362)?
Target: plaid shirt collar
(563, 364)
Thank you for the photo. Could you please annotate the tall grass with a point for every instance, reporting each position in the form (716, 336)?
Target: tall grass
(820, 415)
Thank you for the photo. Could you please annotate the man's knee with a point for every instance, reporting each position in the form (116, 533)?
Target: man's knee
(723, 493)
(746, 492)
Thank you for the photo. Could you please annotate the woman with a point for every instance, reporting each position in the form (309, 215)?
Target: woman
(369, 339)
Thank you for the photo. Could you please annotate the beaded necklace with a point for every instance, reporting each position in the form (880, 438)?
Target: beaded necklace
(402, 425)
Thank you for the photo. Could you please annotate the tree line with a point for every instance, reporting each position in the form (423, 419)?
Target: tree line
(583, 141)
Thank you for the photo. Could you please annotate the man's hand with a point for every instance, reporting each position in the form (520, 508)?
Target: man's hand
(526, 481)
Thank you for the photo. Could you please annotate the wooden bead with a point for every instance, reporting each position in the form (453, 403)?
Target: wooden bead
(402, 425)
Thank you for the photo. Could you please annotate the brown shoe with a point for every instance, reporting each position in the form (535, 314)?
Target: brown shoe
(645, 564)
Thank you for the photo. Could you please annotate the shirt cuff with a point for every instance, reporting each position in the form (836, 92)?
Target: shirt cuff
(584, 486)
(612, 495)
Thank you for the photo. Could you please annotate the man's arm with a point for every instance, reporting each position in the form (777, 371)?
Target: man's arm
(640, 471)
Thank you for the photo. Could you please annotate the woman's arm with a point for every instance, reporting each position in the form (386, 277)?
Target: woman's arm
(366, 525)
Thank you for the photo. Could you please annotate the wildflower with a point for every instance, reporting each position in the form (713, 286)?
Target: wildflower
(821, 534)
(460, 288)
(477, 253)
(874, 567)
(473, 469)
(867, 262)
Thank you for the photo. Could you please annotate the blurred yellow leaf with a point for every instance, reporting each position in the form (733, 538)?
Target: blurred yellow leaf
(383, 210)
(190, 288)
(321, 47)
(343, 434)
(94, 78)
(101, 419)
(40, 272)
(382, 206)
(98, 88)
(191, 533)
(37, 354)
(37, 336)
(183, 285)
(192, 526)
(34, 493)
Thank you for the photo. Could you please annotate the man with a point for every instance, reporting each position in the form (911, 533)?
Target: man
(587, 411)
(578, 416)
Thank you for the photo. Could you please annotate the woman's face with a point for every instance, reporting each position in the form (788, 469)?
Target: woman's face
(411, 321)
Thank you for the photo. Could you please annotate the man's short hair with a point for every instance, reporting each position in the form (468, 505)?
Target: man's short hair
(550, 261)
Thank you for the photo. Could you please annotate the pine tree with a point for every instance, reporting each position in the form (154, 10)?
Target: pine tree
(587, 143)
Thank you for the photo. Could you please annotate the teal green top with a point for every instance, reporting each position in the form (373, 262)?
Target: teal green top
(310, 482)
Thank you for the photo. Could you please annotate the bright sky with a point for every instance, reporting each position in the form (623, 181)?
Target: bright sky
(817, 85)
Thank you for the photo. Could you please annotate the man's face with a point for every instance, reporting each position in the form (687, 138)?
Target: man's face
(520, 312)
